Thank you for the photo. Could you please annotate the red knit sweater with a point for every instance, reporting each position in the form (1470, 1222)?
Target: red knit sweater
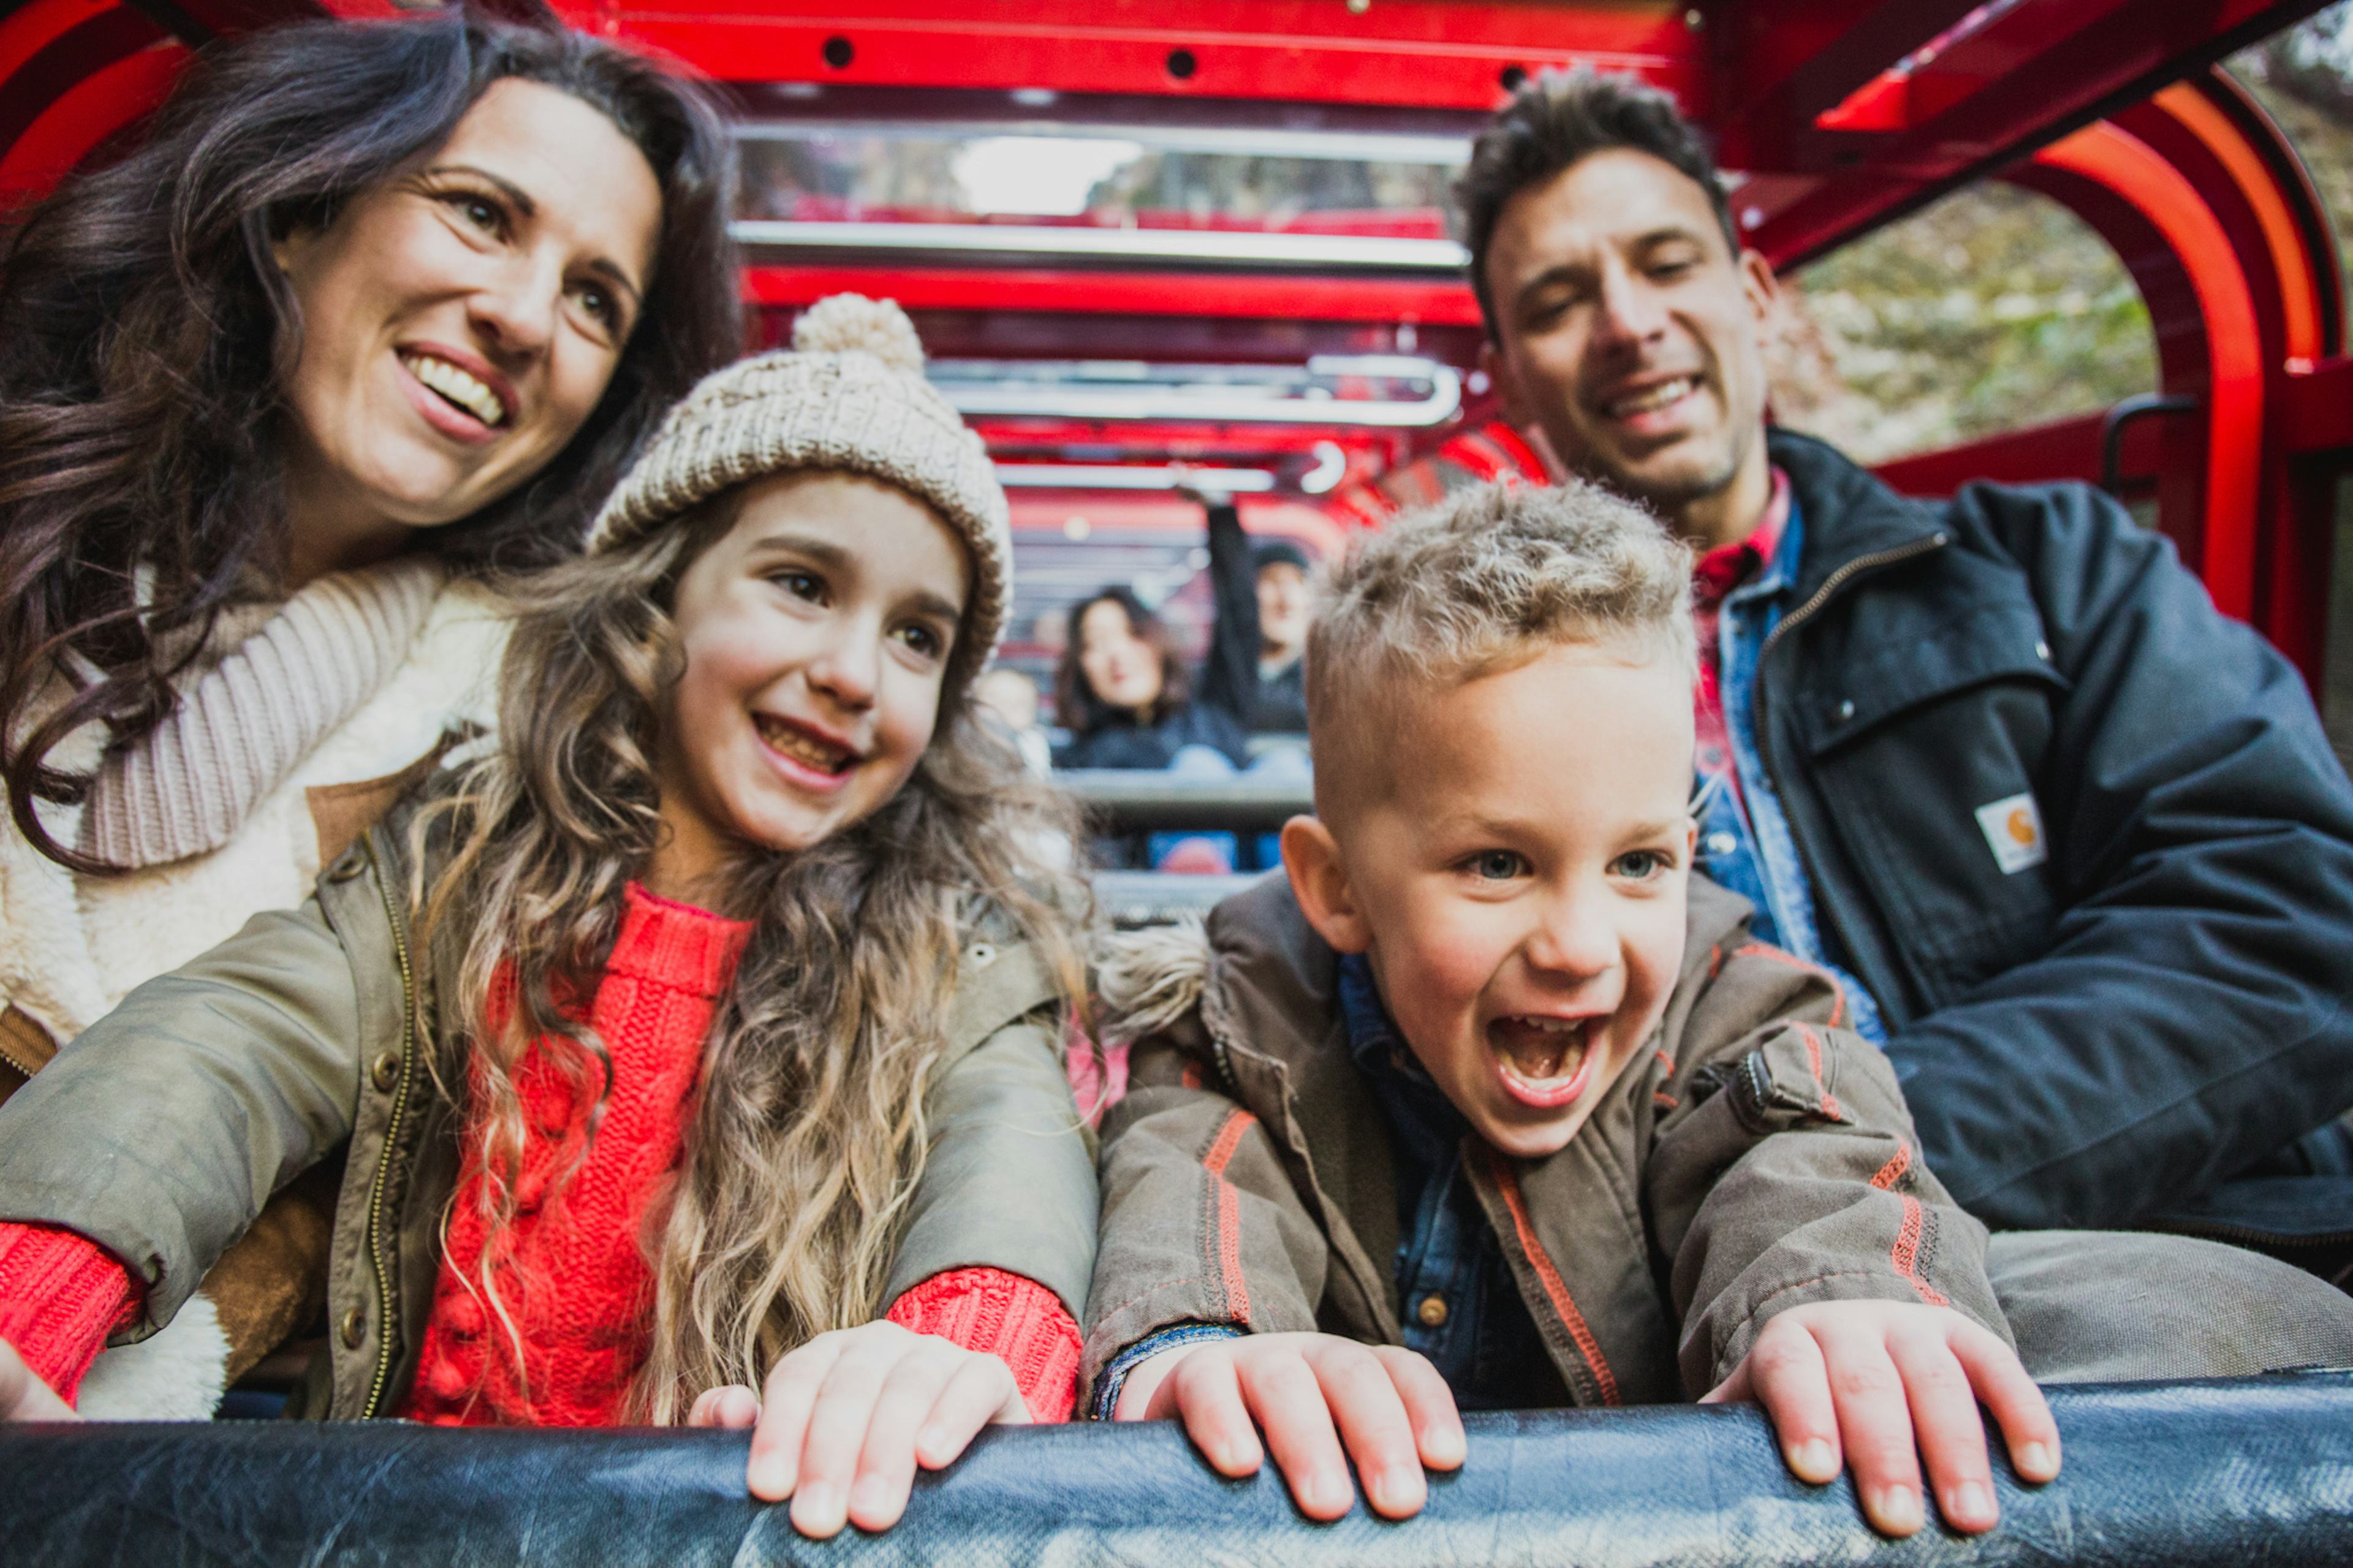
(573, 1278)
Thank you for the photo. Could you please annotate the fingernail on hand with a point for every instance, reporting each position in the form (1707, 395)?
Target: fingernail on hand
(1443, 1450)
(1813, 1461)
(1971, 1504)
(869, 1496)
(1899, 1510)
(2036, 1462)
(819, 1510)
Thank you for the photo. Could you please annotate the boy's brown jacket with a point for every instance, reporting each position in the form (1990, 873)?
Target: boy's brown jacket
(1755, 1157)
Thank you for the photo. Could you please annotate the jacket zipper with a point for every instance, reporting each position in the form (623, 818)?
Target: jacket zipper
(26, 1068)
(1832, 584)
(381, 1185)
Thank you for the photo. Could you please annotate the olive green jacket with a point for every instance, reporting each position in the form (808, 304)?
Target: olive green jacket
(1754, 1157)
(163, 1129)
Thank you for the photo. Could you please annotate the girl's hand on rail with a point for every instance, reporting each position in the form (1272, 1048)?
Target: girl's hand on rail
(847, 1417)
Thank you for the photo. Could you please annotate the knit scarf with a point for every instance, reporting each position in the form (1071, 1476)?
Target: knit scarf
(243, 726)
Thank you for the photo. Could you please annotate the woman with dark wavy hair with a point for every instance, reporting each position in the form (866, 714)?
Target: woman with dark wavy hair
(371, 311)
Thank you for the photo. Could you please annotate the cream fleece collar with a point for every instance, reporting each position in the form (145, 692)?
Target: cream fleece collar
(244, 725)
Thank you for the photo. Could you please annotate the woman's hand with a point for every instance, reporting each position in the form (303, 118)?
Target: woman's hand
(848, 1416)
(1870, 1380)
(23, 1397)
(1313, 1393)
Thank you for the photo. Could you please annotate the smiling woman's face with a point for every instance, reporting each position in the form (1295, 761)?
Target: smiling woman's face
(462, 320)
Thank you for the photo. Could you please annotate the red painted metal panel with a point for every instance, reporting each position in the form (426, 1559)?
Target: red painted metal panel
(1140, 293)
(1426, 52)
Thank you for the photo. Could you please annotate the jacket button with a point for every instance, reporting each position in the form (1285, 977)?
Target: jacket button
(386, 1071)
(1846, 710)
(353, 861)
(2043, 650)
(355, 1327)
(1432, 1311)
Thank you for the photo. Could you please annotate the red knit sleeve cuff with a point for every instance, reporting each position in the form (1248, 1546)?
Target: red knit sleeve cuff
(60, 1296)
(1006, 1315)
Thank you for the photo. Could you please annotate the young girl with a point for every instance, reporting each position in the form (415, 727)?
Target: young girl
(713, 1011)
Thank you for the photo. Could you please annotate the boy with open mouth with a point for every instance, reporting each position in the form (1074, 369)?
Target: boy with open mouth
(1492, 1103)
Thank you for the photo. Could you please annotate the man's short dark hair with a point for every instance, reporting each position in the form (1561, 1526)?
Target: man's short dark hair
(1558, 119)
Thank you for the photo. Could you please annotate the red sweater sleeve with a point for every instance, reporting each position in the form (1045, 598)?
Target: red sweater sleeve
(60, 1296)
(1012, 1318)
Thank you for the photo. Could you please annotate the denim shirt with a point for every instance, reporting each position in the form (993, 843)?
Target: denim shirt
(1449, 1266)
(1752, 851)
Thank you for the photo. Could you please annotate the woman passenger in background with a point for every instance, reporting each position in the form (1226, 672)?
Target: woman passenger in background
(373, 311)
(1122, 691)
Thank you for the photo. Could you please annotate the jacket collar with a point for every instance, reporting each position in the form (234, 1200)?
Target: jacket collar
(1848, 512)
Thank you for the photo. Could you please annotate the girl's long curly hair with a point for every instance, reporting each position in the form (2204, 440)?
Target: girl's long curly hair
(146, 333)
(807, 1133)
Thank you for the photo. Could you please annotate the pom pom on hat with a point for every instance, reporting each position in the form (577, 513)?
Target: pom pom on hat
(849, 397)
(841, 323)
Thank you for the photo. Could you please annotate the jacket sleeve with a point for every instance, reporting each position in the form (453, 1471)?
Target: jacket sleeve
(1230, 678)
(166, 1125)
(2190, 1013)
(1789, 1173)
(1008, 1183)
(1200, 1221)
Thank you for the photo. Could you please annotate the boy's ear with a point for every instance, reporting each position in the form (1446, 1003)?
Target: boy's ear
(1319, 880)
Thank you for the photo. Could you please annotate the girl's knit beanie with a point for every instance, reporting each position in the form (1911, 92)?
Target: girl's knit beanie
(848, 396)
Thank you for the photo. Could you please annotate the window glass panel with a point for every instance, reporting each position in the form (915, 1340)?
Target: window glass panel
(1296, 183)
(1989, 310)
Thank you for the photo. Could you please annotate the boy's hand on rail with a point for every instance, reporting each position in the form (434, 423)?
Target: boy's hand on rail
(1313, 1394)
(848, 1416)
(23, 1397)
(1869, 1379)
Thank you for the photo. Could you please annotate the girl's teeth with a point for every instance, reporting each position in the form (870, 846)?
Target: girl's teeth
(458, 387)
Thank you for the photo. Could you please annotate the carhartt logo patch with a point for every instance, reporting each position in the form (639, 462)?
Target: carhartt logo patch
(2013, 831)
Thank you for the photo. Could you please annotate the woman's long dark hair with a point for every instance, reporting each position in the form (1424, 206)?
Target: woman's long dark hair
(1077, 707)
(146, 333)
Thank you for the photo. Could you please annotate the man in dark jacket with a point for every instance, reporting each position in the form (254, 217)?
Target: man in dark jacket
(1997, 758)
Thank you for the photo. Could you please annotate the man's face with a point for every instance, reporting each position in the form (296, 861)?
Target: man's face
(1629, 331)
(1520, 888)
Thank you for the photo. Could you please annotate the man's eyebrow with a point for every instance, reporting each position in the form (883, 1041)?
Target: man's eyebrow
(604, 265)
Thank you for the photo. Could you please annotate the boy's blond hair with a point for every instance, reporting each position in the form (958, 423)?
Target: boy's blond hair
(1486, 579)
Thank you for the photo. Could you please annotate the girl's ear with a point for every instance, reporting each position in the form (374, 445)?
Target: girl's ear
(1319, 880)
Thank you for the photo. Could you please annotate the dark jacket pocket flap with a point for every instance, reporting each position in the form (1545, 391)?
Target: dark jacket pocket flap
(1868, 687)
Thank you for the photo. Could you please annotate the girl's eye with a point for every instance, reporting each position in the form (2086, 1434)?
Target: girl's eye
(1498, 864)
(801, 585)
(1641, 865)
(922, 639)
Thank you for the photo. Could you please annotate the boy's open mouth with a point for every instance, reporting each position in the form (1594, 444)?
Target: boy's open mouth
(791, 741)
(1545, 1062)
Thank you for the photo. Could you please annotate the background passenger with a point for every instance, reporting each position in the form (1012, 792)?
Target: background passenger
(372, 310)
(1010, 697)
(2081, 837)
(739, 986)
(1123, 692)
(1261, 630)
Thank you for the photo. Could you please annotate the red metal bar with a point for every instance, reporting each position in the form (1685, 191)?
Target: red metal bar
(1138, 293)
(2220, 540)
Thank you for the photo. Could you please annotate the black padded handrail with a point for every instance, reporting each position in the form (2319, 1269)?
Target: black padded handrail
(1130, 800)
(2158, 1476)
